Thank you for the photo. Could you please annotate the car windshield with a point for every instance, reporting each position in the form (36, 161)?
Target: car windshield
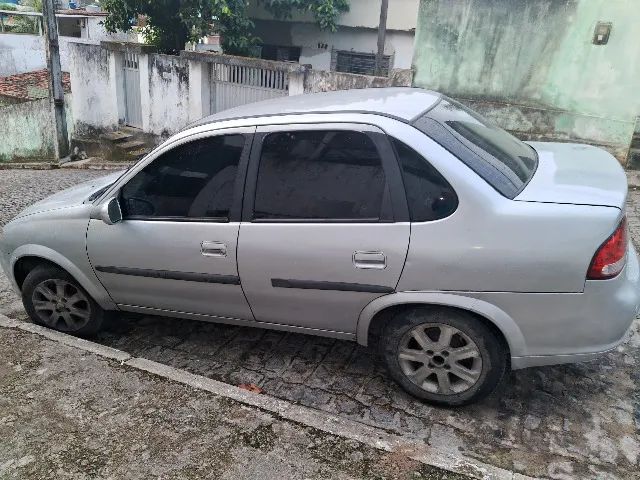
(502, 160)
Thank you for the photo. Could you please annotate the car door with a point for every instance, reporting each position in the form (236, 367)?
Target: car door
(325, 225)
(175, 249)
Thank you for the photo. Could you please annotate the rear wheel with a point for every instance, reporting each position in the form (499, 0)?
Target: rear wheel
(443, 356)
(52, 298)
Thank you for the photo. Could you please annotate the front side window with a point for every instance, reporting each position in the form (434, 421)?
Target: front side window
(502, 160)
(193, 180)
(321, 175)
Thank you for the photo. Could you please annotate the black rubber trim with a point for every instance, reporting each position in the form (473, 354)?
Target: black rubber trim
(170, 275)
(336, 286)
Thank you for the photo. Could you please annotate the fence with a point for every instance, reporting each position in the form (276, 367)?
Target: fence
(121, 83)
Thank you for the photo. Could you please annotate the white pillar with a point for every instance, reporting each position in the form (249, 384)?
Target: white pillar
(145, 98)
(116, 86)
(296, 83)
(199, 90)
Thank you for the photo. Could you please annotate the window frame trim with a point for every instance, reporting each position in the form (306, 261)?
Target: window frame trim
(390, 165)
(236, 205)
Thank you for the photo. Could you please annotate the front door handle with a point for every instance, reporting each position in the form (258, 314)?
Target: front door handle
(370, 260)
(213, 249)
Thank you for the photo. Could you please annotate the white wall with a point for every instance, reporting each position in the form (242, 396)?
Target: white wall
(305, 35)
(21, 52)
(402, 14)
(94, 101)
(168, 94)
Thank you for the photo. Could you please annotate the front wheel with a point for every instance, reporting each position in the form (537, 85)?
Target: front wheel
(54, 299)
(444, 356)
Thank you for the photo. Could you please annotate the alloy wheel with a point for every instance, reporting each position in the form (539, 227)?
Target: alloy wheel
(440, 358)
(61, 305)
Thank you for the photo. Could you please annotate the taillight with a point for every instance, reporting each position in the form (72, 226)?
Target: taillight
(611, 257)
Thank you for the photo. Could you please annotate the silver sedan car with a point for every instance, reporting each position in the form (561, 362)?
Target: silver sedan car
(396, 218)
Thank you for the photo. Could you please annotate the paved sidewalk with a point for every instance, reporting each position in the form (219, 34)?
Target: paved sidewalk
(565, 422)
(66, 413)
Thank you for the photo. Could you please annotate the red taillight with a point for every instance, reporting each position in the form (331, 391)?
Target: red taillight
(611, 257)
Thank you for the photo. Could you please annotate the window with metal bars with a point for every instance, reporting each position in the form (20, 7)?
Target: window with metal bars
(360, 63)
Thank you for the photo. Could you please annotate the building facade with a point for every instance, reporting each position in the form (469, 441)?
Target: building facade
(351, 49)
(562, 70)
(23, 49)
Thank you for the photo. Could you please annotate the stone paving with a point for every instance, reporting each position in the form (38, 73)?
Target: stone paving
(572, 421)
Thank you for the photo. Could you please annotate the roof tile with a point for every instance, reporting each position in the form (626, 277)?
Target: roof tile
(30, 85)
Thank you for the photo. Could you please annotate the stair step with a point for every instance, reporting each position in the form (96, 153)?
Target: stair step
(131, 145)
(138, 153)
(131, 130)
(117, 136)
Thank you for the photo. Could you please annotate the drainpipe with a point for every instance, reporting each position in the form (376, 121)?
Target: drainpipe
(55, 78)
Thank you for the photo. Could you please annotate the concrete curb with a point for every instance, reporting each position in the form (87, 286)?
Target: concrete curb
(78, 165)
(326, 422)
(29, 166)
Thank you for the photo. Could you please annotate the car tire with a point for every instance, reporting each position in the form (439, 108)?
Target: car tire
(54, 299)
(443, 356)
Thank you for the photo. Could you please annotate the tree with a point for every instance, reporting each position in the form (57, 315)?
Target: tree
(172, 23)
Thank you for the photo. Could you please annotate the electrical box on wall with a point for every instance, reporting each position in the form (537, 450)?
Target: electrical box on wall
(601, 33)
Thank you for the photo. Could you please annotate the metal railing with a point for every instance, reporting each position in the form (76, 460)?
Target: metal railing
(14, 21)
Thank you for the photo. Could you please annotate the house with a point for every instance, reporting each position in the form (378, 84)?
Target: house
(351, 49)
(22, 45)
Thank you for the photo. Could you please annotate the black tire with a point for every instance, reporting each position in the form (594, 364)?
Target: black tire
(400, 333)
(77, 300)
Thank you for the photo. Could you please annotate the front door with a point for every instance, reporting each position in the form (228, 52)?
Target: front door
(175, 249)
(325, 226)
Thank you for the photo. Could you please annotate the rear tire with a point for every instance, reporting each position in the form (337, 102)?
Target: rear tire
(54, 299)
(443, 356)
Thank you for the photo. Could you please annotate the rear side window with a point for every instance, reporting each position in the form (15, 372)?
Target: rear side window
(429, 195)
(192, 180)
(320, 175)
(502, 160)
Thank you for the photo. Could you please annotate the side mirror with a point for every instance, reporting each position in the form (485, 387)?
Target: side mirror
(110, 212)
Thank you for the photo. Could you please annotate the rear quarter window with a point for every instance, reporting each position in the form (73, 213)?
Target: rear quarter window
(502, 160)
(429, 195)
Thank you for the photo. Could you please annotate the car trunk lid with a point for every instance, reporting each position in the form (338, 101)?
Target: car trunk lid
(575, 174)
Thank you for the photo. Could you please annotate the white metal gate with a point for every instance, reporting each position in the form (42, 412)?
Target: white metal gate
(133, 108)
(233, 85)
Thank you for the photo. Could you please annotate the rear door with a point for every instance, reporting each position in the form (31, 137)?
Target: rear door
(325, 225)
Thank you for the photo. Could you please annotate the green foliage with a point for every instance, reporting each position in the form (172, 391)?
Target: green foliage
(171, 23)
(36, 5)
(325, 12)
(18, 23)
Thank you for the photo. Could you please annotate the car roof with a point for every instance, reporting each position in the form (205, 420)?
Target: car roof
(402, 103)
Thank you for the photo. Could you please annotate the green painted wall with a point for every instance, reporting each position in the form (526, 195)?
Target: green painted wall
(531, 66)
(27, 130)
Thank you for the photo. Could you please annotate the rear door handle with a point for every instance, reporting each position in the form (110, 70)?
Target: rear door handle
(370, 260)
(213, 249)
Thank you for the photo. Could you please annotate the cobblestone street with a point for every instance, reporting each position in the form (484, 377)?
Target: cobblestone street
(573, 421)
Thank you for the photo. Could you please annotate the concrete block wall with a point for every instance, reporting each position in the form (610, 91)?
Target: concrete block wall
(533, 67)
(28, 130)
(175, 90)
